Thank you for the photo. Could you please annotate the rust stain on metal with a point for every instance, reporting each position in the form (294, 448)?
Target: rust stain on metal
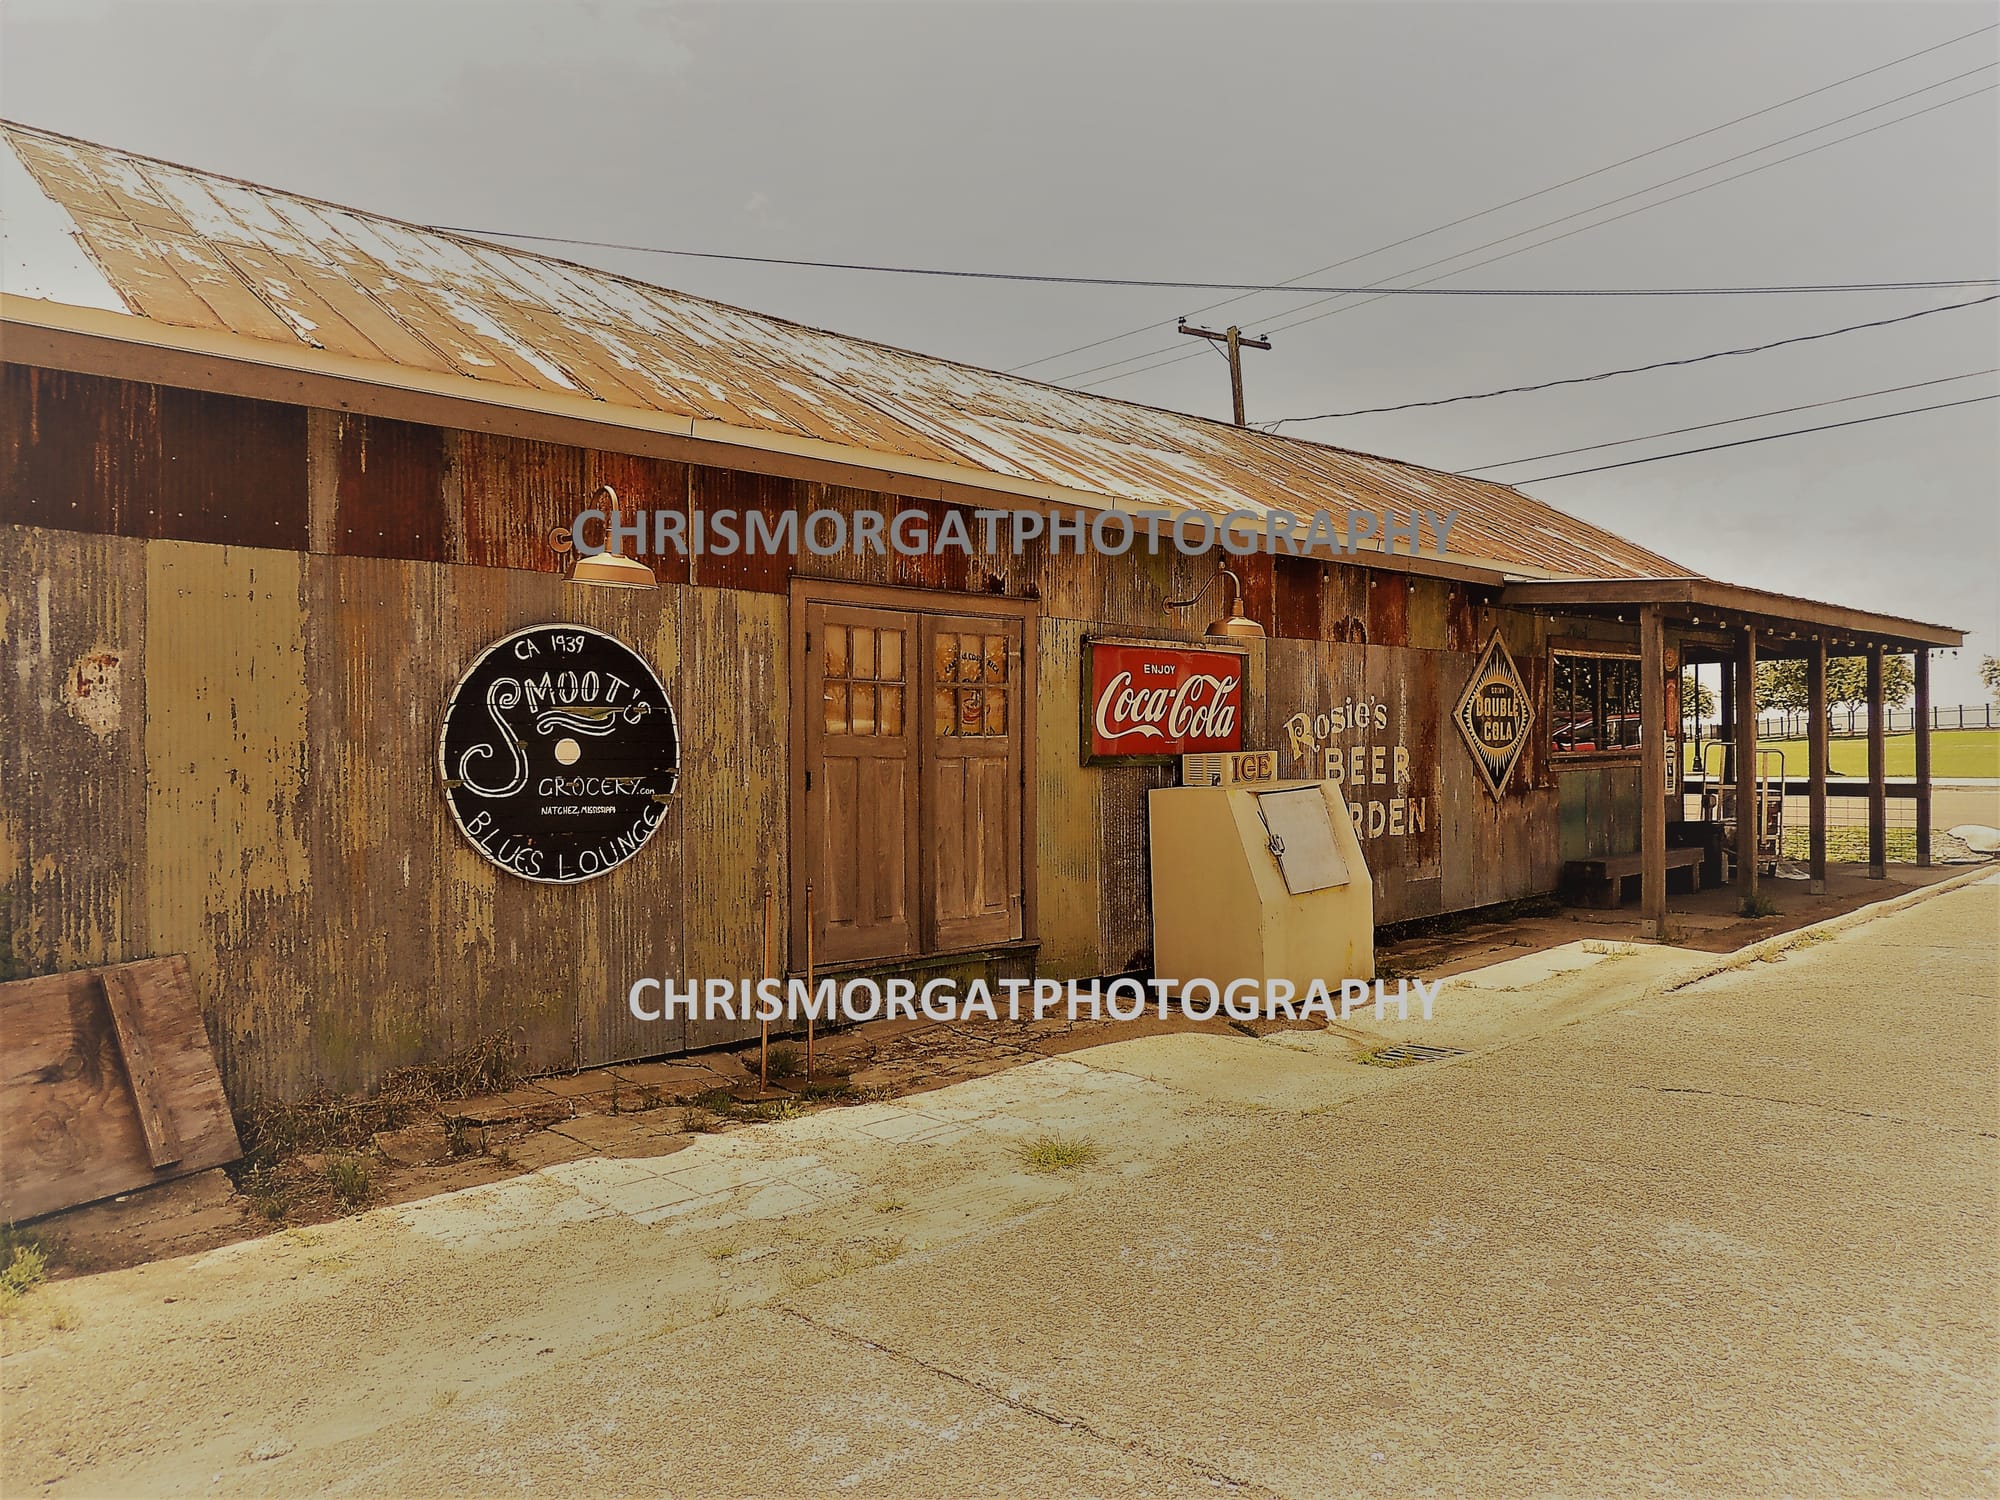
(737, 696)
(389, 490)
(1297, 582)
(224, 831)
(1388, 609)
(72, 882)
(1066, 806)
(198, 250)
(513, 491)
(728, 493)
(90, 454)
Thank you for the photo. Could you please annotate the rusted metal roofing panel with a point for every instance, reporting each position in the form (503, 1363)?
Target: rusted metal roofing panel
(195, 250)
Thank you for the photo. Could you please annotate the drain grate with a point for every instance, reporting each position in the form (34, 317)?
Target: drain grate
(1408, 1055)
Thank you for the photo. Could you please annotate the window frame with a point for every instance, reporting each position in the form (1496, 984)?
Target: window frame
(1597, 653)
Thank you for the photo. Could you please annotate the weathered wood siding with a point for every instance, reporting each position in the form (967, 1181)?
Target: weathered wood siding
(1435, 839)
(72, 723)
(232, 628)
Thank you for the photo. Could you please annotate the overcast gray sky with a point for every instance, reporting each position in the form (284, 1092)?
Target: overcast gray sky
(1221, 142)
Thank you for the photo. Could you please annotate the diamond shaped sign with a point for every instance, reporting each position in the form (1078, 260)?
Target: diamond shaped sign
(1495, 715)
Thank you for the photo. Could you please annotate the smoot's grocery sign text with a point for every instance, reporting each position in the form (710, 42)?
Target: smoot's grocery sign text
(559, 753)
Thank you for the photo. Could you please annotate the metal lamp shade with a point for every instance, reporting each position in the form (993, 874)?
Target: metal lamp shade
(1238, 627)
(607, 570)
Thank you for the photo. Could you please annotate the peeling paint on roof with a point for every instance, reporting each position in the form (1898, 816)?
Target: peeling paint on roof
(94, 227)
(41, 252)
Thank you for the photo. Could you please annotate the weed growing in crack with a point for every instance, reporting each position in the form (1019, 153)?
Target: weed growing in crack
(350, 1180)
(1053, 1153)
(268, 1196)
(808, 1273)
(24, 1265)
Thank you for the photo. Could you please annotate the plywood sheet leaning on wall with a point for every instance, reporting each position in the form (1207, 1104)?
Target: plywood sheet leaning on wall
(107, 1084)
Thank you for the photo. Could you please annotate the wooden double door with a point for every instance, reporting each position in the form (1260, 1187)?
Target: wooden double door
(913, 726)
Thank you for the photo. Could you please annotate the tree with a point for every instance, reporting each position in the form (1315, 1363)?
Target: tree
(1989, 673)
(1697, 698)
(1782, 684)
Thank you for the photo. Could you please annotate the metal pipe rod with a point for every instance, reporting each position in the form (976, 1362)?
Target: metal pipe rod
(1922, 728)
(764, 1046)
(809, 981)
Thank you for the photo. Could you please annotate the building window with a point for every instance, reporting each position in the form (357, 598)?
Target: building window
(1593, 704)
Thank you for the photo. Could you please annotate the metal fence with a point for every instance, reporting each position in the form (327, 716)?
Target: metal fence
(1844, 722)
(1846, 827)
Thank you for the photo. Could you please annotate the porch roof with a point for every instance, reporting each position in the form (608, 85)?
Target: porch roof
(1786, 624)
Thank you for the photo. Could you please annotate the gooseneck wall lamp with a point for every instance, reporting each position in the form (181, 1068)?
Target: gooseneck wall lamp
(1233, 623)
(606, 569)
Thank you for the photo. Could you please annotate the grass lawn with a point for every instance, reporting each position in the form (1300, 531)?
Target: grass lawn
(1955, 753)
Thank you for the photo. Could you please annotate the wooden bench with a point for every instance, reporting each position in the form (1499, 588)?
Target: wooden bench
(1600, 882)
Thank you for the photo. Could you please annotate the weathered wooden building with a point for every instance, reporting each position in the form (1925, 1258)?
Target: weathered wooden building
(275, 473)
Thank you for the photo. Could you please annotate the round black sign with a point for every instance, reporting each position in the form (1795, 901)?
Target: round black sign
(559, 753)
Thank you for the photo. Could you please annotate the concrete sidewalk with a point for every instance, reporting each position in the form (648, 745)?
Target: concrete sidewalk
(1733, 1236)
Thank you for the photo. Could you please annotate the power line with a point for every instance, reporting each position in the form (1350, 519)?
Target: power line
(1527, 197)
(1379, 291)
(1838, 140)
(1780, 411)
(1770, 437)
(1242, 286)
(1664, 364)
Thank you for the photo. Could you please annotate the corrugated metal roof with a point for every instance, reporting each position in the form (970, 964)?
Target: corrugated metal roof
(195, 250)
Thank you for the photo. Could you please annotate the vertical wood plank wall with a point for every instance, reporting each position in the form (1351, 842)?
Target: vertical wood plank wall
(231, 628)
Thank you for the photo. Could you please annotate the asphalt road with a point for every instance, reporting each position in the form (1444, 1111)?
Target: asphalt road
(1736, 1237)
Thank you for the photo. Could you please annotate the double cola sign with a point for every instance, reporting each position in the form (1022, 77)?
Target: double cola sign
(1152, 703)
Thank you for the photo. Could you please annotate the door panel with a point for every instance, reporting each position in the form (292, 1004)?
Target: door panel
(972, 779)
(861, 794)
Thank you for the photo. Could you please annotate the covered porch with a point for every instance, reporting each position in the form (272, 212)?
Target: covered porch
(1684, 622)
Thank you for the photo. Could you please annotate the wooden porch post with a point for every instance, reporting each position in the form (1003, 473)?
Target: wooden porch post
(1725, 728)
(1746, 764)
(1878, 772)
(1653, 769)
(1816, 753)
(1923, 729)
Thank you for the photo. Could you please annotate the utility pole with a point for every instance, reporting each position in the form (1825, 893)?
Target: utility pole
(1237, 343)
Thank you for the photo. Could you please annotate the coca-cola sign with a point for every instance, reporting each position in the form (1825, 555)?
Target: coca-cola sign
(1153, 703)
